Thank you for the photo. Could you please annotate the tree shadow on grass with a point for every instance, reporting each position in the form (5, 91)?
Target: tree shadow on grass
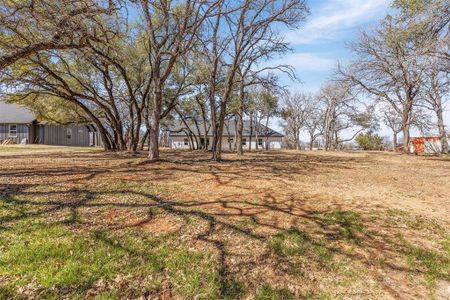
(284, 237)
(284, 249)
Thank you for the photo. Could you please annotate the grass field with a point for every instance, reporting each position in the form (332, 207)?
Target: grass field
(34, 148)
(270, 225)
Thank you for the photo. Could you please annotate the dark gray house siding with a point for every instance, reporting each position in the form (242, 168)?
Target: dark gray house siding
(21, 133)
(29, 131)
(58, 135)
(66, 135)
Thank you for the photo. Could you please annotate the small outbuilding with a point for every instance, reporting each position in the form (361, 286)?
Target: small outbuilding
(425, 144)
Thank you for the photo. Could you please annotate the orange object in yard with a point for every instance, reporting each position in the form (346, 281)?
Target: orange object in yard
(430, 144)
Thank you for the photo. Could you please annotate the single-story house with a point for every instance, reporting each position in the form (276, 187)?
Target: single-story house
(19, 125)
(425, 144)
(182, 137)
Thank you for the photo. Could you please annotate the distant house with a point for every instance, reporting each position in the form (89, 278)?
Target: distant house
(426, 144)
(193, 136)
(19, 125)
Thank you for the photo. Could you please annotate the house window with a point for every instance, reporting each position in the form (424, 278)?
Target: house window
(244, 142)
(13, 130)
(69, 133)
(260, 142)
(186, 142)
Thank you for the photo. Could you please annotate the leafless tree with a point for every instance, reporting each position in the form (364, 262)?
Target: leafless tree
(296, 109)
(427, 22)
(245, 25)
(250, 74)
(435, 93)
(314, 121)
(342, 112)
(393, 121)
(172, 29)
(420, 120)
(384, 68)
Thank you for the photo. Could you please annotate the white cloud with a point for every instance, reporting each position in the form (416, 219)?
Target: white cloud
(312, 69)
(329, 21)
(304, 61)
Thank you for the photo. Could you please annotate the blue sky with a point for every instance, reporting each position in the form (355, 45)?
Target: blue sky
(324, 38)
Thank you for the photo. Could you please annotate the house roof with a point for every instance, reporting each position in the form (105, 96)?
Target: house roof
(16, 114)
(179, 129)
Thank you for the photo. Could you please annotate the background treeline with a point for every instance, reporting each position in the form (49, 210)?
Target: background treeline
(133, 67)
(399, 77)
(129, 65)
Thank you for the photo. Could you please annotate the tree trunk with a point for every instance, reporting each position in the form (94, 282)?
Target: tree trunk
(217, 156)
(217, 135)
(395, 141)
(205, 137)
(205, 125)
(144, 138)
(191, 141)
(153, 151)
(311, 141)
(406, 121)
(217, 153)
(406, 124)
(442, 133)
(251, 133)
(197, 136)
(235, 148)
(214, 124)
(119, 138)
(406, 138)
(108, 143)
(240, 129)
(195, 142)
(135, 141)
(336, 141)
(266, 146)
(131, 138)
(155, 120)
(256, 133)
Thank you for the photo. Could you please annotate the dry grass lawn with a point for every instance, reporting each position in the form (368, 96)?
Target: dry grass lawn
(270, 225)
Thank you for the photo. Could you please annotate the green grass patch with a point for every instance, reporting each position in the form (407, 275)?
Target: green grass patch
(349, 223)
(11, 207)
(55, 258)
(434, 264)
(194, 274)
(7, 292)
(270, 293)
(289, 243)
(397, 216)
(232, 289)
(67, 264)
(302, 249)
(324, 255)
(248, 221)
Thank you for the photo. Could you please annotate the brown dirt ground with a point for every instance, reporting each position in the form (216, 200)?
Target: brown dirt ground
(239, 204)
